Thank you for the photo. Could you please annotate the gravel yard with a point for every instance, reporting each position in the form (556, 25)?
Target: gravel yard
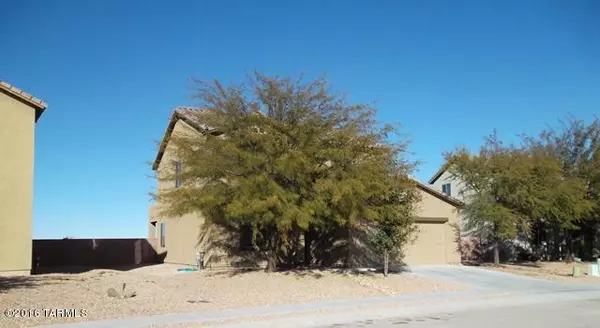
(161, 289)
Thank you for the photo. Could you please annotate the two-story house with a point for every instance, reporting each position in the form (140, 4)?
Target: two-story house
(444, 182)
(182, 238)
(19, 112)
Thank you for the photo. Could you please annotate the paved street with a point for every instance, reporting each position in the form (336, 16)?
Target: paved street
(573, 314)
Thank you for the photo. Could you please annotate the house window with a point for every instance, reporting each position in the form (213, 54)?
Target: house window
(162, 234)
(446, 189)
(177, 174)
(246, 237)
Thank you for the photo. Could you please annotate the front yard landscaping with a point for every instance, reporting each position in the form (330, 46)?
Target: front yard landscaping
(160, 289)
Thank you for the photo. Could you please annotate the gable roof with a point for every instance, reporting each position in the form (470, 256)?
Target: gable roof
(24, 97)
(436, 193)
(190, 116)
(438, 174)
(443, 169)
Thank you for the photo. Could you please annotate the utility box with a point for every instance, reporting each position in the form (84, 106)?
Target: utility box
(593, 270)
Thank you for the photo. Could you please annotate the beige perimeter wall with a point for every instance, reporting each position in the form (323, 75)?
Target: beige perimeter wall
(17, 125)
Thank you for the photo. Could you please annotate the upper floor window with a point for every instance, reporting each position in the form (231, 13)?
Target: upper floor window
(446, 189)
(178, 178)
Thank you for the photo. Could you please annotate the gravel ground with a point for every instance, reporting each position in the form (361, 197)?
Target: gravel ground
(555, 271)
(161, 289)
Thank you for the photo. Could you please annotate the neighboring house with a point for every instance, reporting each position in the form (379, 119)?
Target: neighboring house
(444, 182)
(19, 113)
(183, 237)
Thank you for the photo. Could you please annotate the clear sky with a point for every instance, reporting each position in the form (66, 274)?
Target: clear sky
(112, 71)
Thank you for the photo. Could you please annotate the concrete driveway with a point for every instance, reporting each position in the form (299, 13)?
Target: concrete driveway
(488, 280)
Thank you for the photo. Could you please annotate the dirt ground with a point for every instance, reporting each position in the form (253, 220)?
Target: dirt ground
(556, 271)
(161, 289)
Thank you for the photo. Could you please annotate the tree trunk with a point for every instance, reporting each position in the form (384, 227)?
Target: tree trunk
(349, 258)
(496, 245)
(588, 241)
(496, 252)
(271, 261)
(272, 251)
(386, 261)
(308, 237)
(569, 257)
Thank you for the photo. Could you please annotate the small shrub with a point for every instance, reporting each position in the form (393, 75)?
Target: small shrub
(471, 249)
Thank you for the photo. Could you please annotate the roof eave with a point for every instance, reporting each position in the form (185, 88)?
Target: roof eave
(164, 141)
(38, 113)
(450, 200)
(24, 97)
(437, 175)
(175, 117)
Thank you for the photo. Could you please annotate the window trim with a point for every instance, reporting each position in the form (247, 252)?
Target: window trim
(447, 189)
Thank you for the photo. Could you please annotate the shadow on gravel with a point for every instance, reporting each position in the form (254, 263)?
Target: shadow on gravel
(17, 282)
(12, 283)
(313, 272)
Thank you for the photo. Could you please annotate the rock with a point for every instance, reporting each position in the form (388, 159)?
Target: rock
(111, 292)
(197, 301)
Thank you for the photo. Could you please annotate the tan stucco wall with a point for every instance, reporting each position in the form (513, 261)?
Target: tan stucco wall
(435, 243)
(17, 129)
(458, 191)
(188, 234)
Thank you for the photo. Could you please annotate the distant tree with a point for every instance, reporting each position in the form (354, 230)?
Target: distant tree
(511, 188)
(495, 177)
(284, 157)
(576, 146)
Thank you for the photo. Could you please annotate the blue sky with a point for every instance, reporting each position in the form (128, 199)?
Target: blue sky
(112, 71)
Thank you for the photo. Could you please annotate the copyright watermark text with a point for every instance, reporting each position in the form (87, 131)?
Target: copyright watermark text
(45, 313)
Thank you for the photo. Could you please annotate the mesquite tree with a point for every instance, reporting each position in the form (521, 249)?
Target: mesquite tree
(286, 157)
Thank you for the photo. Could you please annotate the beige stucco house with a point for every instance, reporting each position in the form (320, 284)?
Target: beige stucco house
(446, 183)
(181, 238)
(19, 112)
